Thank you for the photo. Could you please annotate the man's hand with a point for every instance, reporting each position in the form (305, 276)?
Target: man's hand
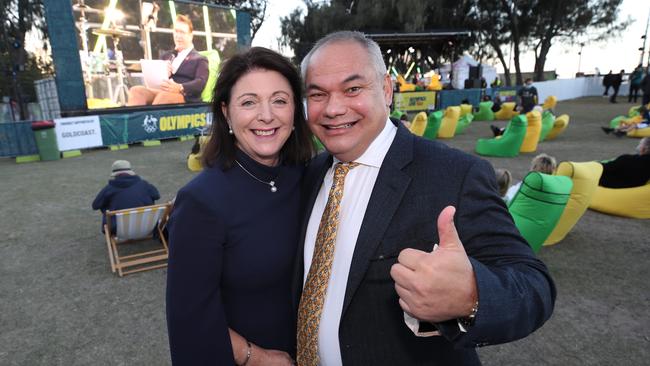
(439, 285)
(170, 86)
(269, 357)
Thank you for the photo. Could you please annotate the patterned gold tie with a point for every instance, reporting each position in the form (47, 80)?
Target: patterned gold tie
(313, 295)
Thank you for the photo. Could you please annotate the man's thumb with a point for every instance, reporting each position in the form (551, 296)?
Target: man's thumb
(447, 233)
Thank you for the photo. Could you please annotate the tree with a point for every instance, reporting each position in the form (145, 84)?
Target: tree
(566, 20)
(256, 9)
(19, 17)
(301, 30)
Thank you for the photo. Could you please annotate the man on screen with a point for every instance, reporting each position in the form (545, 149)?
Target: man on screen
(187, 72)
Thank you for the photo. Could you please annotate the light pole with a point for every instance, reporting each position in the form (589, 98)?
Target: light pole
(580, 57)
(645, 37)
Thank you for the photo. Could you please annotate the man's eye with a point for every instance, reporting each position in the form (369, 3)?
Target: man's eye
(353, 90)
(316, 96)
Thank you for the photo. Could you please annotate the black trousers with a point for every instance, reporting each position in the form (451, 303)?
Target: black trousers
(634, 93)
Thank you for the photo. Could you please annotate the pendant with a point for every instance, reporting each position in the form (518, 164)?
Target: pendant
(273, 187)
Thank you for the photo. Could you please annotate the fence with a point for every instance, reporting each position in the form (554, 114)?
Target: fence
(16, 139)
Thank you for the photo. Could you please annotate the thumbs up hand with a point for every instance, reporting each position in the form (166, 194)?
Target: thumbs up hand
(439, 285)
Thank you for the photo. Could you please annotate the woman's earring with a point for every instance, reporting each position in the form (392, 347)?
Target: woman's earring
(230, 130)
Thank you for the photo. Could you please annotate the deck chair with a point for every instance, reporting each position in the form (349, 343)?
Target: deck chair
(136, 225)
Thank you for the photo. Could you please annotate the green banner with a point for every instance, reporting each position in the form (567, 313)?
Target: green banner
(153, 125)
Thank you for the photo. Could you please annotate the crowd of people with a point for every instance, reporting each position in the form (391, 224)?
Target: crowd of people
(329, 263)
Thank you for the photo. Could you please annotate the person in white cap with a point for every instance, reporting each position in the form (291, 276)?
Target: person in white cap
(125, 189)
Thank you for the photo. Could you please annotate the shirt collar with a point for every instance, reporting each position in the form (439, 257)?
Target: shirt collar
(375, 153)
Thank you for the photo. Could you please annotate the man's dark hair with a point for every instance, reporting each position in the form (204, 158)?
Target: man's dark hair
(221, 145)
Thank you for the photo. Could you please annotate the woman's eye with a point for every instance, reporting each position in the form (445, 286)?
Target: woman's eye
(247, 103)
(280, 101)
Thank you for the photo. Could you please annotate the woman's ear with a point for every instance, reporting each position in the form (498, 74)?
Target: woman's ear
(224, 110)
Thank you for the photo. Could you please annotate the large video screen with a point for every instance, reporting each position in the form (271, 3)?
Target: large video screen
(137, 52)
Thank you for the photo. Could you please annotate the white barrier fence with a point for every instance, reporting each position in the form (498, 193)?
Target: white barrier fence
(565, 89)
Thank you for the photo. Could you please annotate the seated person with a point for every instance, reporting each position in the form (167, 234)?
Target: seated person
(187, 69)
(527, 97)
(404, 118)
(504, 178)
(635, 123)
(629, 170)
(542, 163)
(124, 190)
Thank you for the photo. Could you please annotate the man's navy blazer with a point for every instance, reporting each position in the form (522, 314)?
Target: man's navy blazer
(417, 179)
(192, 73)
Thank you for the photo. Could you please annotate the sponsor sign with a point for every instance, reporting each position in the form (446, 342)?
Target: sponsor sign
(78, 132)
(154, 124)
(415, 101)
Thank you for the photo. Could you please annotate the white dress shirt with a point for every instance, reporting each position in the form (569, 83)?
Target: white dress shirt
(359, 184)
(178, 60)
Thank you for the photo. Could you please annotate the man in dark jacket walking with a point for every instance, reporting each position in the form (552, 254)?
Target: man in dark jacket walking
(616, 84)
(607, 82)
(124, 190)
(645, 88)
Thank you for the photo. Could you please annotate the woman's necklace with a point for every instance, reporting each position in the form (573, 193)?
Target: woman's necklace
(270, 183)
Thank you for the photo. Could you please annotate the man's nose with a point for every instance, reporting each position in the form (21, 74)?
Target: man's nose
(335, 106)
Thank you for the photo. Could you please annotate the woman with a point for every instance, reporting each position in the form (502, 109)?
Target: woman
(234, 228)
(542, 163)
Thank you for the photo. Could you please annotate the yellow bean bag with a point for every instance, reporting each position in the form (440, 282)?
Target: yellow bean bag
(559, 126)
(506, 112)
(585, 178)
(533, 131)
(404, 86)
(465, 109)
(449, 122)
(194, 159)
(550, 102)
(639, 132)
(419, 124)
(627, 202)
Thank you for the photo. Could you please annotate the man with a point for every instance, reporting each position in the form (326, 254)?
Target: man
(616, 81)
(635, 84)
(124, 190)
(629, 170)
(371, 277)
(645, 88)
(187, 69)
(527, 96)
(607, 82)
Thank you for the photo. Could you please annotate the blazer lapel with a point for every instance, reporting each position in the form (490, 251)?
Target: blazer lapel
(313, 182)
(385, 198)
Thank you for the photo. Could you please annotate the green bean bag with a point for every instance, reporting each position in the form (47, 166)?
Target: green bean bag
(484, 112)
(509, 143)
(397, 114)
(616, 121)
(213, 73)
(538, 205)
(463, 122)
(433, 125)
(548, 120)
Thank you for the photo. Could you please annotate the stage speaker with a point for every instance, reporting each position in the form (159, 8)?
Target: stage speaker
(472, 83)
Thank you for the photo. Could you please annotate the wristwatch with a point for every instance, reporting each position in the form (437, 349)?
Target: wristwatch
(468, 321)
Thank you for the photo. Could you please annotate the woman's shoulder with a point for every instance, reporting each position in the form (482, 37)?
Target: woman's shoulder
(209, 182)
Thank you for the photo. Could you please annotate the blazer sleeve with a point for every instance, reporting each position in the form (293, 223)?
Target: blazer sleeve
(196, 85)
(516, 293)
(196, 320)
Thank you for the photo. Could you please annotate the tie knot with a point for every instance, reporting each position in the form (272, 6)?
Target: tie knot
(342, 169)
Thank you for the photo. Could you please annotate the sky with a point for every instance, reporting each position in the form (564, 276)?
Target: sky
(617, 53)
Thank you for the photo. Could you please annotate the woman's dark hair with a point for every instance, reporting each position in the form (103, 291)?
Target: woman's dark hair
(221, 146)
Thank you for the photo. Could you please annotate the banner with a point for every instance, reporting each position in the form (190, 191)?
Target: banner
(78, 132)
(154, 124)
(415, 101)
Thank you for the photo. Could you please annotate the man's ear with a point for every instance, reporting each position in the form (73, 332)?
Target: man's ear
(388, 90)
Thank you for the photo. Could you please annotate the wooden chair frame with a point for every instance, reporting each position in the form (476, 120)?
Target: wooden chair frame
(144, 261)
